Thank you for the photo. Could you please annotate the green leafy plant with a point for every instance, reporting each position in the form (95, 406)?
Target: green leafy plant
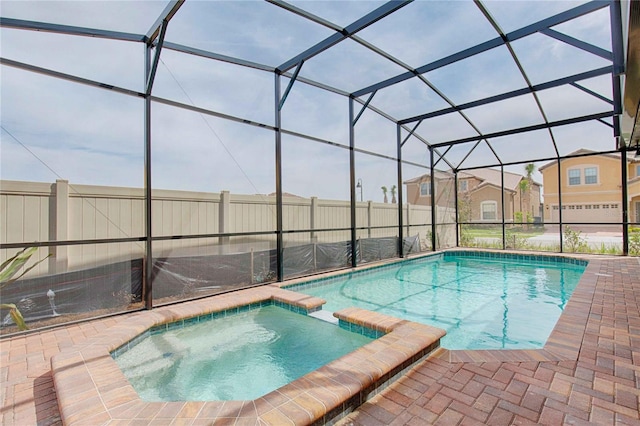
(634, 241)
(573, 242)
(8, 271)
(466, 239)
(513, 240)
(518, 216)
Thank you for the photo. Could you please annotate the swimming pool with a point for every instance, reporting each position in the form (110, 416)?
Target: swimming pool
(242, 356)
(483, 300)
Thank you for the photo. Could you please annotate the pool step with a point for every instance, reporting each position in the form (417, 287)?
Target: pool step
(324, 316)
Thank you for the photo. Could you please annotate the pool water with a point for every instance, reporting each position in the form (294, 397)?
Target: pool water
(238, 357)
(482, 303)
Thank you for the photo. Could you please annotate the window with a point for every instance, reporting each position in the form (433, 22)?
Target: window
(574, 176)
(463, 186)
(638, 170)
(590, 175)
(425, 189)
(489, 210)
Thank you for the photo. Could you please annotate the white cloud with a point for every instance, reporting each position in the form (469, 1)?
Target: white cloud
(349, 66)
(112, 62)
(512, 15)
(407, 99)
(214, 85)
(252, 30)
(315, 111)
(516, 112)
(423, 31)
(486, 74)
(135, 16)
(340, 12)
(545, 58)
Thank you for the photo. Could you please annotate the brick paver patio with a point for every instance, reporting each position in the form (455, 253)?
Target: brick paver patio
(595, 380)
(600, 385)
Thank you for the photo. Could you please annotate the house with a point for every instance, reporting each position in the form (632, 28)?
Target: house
(480, 191)
(591, 188)
(418, 190)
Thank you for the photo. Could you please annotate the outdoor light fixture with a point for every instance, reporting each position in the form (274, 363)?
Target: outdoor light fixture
(359, 186)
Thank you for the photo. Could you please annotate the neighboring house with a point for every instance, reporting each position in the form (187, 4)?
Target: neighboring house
(419, 189)
(633, 188)
(481, 189)
(591, 188)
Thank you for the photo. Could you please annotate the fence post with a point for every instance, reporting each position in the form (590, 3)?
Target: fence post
(60, 256)
(224, 219)
(315, 257)
(252, 266)
(313, 217)
(369, 214)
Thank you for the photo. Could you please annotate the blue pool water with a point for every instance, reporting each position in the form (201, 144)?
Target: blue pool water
(238, 357)
(482, 302)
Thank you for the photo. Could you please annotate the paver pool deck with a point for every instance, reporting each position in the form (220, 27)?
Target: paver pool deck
(588, 372)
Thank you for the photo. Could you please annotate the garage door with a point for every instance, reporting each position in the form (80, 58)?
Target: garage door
(589, 213)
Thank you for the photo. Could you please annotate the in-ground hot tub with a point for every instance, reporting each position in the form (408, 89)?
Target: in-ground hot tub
(92, 389)
(228, 356)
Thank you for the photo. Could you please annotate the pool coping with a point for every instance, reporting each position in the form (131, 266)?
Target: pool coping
(91, 389)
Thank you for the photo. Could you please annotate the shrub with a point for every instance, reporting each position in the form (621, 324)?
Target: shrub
(573, 242)
(518, 217)
(466, 240)
(514, 241)
(634, 241)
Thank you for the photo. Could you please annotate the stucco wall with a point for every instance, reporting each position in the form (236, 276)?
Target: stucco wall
(491, 193)
(599, 202)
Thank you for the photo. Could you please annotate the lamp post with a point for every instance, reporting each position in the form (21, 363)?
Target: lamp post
(359, 186)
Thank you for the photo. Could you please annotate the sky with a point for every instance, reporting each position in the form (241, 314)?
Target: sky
(54, 129)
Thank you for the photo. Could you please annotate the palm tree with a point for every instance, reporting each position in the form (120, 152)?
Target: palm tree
(529, 170)
(384, 191)
(525, 187)
(393, 194)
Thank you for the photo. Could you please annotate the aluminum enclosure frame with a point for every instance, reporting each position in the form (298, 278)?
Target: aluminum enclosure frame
(155, 43)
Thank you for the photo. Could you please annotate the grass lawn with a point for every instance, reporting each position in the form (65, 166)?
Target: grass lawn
(496, 232)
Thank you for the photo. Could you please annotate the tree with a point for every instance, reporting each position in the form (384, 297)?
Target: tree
(464, 217)
(393, 194)
(524, 187)
(525, 193)
(384, 191)
(529, 170)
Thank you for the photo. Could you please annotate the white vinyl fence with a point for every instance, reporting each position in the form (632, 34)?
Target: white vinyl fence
(38, 212)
